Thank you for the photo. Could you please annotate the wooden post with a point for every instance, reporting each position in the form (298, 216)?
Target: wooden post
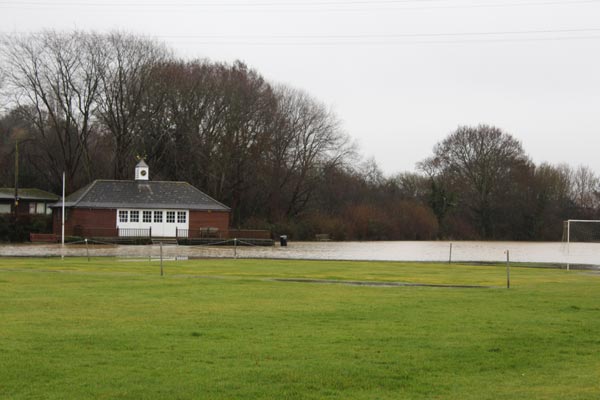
(507, 269)
(161, 260)
(450, 256)
(87, 250)
(234, 247)
(62, 214)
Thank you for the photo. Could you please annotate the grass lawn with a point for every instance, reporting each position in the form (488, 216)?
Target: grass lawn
(221, 329)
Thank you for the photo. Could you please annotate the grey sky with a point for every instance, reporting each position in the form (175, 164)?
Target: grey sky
(394, 71)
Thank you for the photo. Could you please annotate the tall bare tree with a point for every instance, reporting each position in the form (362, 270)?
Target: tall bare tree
(479, 163)
(585, 188)
(125, 74)
(310, 140)
(54, 81)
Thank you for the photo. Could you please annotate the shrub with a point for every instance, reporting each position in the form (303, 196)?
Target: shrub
(12, 230)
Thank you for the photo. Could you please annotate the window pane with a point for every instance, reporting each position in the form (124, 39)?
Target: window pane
(39, 208)
(181, 217)
(134, 216)
(147, 215)
(158, 216)
(123, 215)
(170, 217)
(31, 208)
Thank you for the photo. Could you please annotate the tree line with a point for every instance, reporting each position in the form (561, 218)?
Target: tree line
(92, 104)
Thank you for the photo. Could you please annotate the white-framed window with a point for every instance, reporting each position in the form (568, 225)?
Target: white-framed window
(158, 216)
(32, 208)
(123, 215)
(170, 217)
(134, 216)
(147, 216)
(181, 217)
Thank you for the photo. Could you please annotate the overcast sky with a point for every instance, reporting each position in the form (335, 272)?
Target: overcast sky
(400, 74)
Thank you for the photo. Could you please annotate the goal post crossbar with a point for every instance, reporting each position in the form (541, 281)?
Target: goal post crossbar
(567, 229)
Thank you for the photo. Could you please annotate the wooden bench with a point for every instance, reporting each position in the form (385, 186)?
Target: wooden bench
(210, 232)
(43, 237)
(322, 237)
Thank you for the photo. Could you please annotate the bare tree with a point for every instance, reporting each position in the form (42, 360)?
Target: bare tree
(411, 185)
(308, 138)
(53, 79)
(585, 188)
(478, 162)
(125, 73)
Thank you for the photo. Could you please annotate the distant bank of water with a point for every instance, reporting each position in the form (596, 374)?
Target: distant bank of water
(536, 252)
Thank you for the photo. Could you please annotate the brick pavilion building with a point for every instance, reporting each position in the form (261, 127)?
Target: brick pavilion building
(141, 208)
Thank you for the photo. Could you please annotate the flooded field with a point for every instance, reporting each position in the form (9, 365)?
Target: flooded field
(542, 252)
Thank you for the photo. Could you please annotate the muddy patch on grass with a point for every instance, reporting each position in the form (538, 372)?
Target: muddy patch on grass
(377, 284)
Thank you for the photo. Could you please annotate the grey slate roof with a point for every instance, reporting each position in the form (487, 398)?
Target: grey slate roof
(27, 194)
(141, 194)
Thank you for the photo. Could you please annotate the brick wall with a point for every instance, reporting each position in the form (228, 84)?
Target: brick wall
(94, 222)
(208, 219)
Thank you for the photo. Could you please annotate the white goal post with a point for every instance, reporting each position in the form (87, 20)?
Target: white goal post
(581, 230)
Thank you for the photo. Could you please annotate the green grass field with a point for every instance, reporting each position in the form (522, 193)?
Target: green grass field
(221, 329)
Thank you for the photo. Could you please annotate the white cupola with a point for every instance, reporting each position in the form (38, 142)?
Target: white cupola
(142, 172)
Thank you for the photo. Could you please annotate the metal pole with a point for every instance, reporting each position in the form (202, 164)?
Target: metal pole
(161, 260)
(507, 269)
(62, 240)
(450, 256)
(234, 247)
(16, 180)
(568, 243)
(87, 250)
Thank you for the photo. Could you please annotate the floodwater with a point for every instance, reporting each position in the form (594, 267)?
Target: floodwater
(536, 252)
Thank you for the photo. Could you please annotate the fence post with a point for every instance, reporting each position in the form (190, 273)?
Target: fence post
(450, 255)
(161, 260)
(507, 269)
(87, 250)
(234, 247)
